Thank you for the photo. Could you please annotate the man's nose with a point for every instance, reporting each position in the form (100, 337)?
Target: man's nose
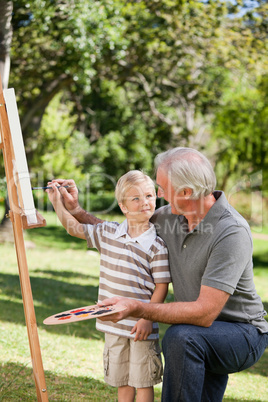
(160, 192)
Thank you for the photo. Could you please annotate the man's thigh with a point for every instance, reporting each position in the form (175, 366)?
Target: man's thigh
(224, 347)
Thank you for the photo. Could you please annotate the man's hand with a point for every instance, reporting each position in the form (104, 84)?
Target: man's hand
(131, 308)
(143, 329)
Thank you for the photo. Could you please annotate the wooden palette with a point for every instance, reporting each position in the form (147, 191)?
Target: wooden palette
(81, 313)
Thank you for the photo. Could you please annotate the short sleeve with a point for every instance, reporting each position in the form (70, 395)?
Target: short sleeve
(229, 258)
(160, 266)
(93, 235)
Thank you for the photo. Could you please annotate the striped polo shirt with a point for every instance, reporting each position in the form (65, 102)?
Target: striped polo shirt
(129, 267)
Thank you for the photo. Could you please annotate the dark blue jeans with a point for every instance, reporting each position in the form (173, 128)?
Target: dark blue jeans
(198, 360)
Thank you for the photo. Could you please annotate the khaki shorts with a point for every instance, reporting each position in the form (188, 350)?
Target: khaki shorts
(137, 364)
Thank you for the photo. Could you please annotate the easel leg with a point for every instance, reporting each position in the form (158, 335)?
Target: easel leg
(16, 204)
(29, 312)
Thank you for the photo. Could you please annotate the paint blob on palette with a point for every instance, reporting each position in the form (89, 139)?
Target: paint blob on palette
(81, 313)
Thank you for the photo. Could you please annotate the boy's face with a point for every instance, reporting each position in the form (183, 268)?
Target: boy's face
(139, 202)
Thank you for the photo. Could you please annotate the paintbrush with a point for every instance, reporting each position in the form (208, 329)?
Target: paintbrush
(48, 187)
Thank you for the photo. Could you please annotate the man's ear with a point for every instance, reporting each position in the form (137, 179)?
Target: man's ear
(187, 193)
(123, 208)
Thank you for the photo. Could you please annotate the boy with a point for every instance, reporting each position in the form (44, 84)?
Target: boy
(134, 263)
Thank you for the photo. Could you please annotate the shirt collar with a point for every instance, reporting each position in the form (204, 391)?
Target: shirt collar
(214, 214)
(145, 240)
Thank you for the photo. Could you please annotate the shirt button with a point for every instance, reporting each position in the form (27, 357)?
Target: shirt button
(184, 246)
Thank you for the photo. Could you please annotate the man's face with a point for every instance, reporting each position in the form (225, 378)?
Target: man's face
(175, 198)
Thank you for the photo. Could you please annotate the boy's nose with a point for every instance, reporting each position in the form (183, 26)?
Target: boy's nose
(145, 201)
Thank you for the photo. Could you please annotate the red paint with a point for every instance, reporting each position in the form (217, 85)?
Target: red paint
(77, 311)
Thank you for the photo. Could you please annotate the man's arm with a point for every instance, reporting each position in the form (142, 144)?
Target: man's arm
(201, 312)
(71, 203)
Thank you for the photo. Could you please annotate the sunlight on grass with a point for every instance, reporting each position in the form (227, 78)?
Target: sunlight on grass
(248, 386)
(64, 274)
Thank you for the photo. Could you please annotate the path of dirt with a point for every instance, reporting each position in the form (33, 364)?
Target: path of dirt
(260, 236)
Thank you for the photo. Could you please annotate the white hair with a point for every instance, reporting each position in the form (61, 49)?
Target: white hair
(188, 168)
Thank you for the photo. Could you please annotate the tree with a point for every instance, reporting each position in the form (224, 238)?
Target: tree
(5, 43)
(141, 76)
(240, 129)
(6, 8)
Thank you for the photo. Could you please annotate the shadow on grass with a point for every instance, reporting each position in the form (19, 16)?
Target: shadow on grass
(52, 296)
(261, 367)
(260, 261)
(241, 400)
(17, 384)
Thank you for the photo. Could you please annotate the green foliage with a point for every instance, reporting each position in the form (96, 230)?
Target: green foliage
(58, 149)
(240, 129)
(134, 77)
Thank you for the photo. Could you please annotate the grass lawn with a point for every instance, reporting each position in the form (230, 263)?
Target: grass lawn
(64, 275)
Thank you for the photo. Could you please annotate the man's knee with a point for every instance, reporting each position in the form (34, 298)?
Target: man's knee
(176, 336)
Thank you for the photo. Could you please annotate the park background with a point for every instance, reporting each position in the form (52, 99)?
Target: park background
(102, 87)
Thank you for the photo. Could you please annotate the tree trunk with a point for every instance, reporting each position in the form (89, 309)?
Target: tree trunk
(6, 230)
(6, 8)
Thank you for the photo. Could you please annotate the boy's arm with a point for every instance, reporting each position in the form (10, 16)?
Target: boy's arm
(70, 201)
(143, 328)
(160, 293)
(71, 224)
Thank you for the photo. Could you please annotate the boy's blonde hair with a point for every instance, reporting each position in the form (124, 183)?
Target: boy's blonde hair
(128, 180)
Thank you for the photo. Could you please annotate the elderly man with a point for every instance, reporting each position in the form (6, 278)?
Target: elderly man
(218, 324)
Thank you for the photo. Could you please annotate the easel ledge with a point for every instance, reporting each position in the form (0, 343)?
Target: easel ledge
(41, 222)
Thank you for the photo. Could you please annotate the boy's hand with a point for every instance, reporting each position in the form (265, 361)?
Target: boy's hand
(143, 329)
(69, 195)
(54, 194)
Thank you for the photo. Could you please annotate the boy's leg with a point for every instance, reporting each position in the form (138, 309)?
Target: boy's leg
(116, 360)
(198, 359)
(145, 394)
(126, 394)
(145, 365)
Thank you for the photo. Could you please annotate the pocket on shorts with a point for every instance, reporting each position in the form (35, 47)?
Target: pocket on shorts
(106, 361)
(156, 367)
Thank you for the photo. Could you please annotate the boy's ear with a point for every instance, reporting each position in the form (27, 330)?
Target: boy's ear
(123, 208)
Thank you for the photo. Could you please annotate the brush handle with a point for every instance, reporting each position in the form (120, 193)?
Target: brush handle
(48, 187)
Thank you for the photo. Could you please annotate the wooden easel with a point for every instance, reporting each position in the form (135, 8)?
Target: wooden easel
(19, 222)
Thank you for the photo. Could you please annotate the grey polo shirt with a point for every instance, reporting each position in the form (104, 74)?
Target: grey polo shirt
(217, 253)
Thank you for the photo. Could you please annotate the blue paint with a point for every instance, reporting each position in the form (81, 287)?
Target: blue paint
(101, 312)
(62, 315)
